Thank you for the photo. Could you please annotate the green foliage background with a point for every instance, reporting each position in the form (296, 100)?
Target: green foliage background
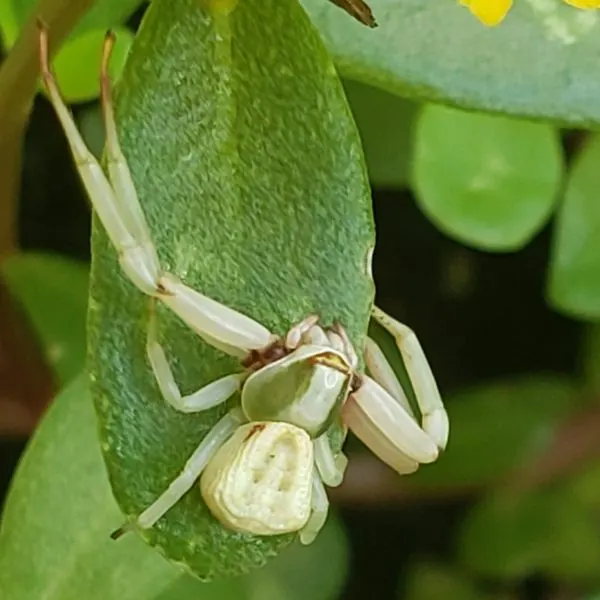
(263, 135)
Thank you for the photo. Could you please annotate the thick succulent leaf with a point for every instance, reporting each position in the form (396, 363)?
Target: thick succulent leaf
(317, 572)
(539, 63)
(385, 123)
(574, 282)
(494, 428)
(489, 182)
(54, 541)
(511, 536)
(250, 171)
(58, 315)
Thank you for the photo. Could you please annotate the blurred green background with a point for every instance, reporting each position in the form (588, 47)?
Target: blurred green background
(488, 232)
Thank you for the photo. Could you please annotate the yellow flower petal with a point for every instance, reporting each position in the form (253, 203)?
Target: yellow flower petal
(491, 12)
(584, 3)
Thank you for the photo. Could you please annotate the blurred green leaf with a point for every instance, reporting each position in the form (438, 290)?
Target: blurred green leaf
(385, 124)
(428, 581)
(550, 531)
(53, 291)
(77, 65)
(585, 485)
(534, 64)
(489, 182)
(504, 536)
(495, 428)
(9, 27)
(317, 571)
(574, 283)
(187, 587)
(104, 14)
(573, 545)
(248, 165)
(54, 540)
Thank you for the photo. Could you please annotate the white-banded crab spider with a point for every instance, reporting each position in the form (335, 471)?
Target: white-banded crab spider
(263, 466)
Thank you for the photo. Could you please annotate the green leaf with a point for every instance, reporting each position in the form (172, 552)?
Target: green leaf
(489, 182)
(54, 541)
(385, 124)
(552, 532)
(574, 283)
(250, 171)
(76, 63)
(317, 572)
(494, 428)
(427, 581)
(58, 316)
(533, 65)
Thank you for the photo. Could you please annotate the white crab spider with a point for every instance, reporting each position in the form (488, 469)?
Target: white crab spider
(263, 466)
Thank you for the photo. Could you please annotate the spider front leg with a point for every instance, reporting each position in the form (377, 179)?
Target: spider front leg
(435, 419)
(192, 470)
(319, 510)
(211, 395)
(116, 203)
(331, 468)
(379, 412)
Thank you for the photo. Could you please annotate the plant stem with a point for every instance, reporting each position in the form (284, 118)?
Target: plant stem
(18, 86)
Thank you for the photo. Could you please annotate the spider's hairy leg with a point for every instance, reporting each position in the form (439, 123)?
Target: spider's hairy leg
(320, 508)
(435, 419)
(385, 427)
(189, 474)
(383, 373)
(330, 468)
(139, 262)
(117, 205)
(211, 395)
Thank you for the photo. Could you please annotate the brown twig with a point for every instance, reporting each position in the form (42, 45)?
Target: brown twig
(18, 85)
(26, 381)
